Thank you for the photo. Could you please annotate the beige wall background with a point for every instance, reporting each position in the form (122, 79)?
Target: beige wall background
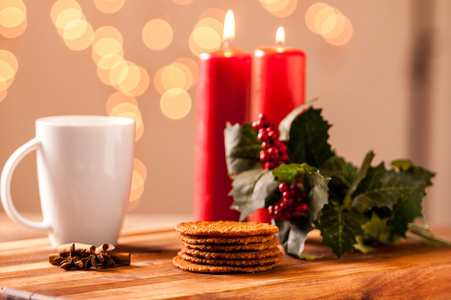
(365, 87)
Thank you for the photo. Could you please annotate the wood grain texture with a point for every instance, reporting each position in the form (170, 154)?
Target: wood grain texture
(408, 271)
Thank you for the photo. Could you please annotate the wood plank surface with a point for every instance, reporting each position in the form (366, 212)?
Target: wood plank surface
(408, 271)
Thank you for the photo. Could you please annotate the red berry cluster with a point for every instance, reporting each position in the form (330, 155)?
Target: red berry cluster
(292, 205)
(274, 151)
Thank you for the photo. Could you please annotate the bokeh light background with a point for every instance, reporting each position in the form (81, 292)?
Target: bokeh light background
(138, 59)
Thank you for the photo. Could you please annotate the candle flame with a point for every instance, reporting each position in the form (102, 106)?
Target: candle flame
(280, 36)
(229, 27)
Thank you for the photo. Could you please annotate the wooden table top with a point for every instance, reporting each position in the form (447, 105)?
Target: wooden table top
(409, 270)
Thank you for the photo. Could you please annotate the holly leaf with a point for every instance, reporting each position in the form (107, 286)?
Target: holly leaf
(410, 205)
(406, 211)
(290, 172)
(293, 234)
(242, 188)
(406, 166)
(339, 170)
(242, 148)
(361, 174)
(384, 188)
(251, 190)
(378, 229)
(342, 176)
(339, 228)
(285, 124)
(266, 189)
(308, 139)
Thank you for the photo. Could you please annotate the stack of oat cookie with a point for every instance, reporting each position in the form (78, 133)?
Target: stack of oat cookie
(227, 246)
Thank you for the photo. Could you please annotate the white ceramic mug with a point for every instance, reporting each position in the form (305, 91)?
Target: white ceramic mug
(85, 166)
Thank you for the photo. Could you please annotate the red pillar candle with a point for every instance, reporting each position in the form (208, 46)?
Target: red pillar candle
(278, 86)
(222, 96)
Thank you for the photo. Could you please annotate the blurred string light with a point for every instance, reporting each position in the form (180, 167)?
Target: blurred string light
(13, 18)
(330, 23)
(157, 34)
(8, 69)
(182, 2)
(109, 6)
(173, 82)
(127, 78)
(207, 33)
(13, 22)
(137, 187)
(280, 8)
(175, 103)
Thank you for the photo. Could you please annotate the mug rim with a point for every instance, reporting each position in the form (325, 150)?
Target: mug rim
(84, 120)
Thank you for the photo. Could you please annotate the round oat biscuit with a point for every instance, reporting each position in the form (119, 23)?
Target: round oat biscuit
(231, 255)
(234, 247)
(242, 240)
(226, 228)
(232, 262)
(199, 268)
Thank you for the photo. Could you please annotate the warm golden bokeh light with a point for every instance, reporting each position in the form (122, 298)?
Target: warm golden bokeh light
(108, 32)
(76, 29)
(191, 64)
(175, 75)
(14, 32)
(138, 182)
(213, 12)
(83, 41)
(61, 5)
(140, 168)
(68, 18)
(330, 23)
(311, 14)
(71, 25)
(334, 26)
(139, 131)
(106, 47)
(158, 80)
(106, 65)
(157, 34)
(175, 103)
(3, 89)
(206, 36)
(3, 84)
(344, 37)
(280, 8)
(130, 111)
(116, 73)
(182, 2)
(6, 70)
(13, 18)
(10, 59)
(127, 108)
(19, 4)
(126, 77)
(129, 78)
(142, 84)
(118, 98)
(109, 6)
(321, 16)
(135, 195)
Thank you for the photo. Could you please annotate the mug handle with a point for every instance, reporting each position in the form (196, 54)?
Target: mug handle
(5, 184)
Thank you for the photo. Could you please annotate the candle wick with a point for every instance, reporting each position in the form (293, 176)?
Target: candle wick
(226, 44)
